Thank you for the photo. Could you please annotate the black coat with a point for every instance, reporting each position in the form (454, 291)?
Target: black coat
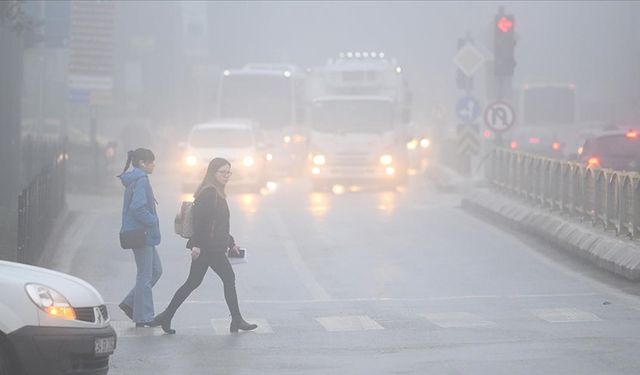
(210, 210)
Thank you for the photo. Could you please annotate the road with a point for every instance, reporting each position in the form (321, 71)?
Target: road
(364, 283)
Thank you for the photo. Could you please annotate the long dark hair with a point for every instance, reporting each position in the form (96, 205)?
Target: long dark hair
(210, 177)
(135, 157)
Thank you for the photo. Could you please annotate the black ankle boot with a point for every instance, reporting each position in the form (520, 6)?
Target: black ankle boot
(240, 323)
(163, 320)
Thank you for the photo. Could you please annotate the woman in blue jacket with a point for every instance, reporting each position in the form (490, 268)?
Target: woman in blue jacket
(139, 211)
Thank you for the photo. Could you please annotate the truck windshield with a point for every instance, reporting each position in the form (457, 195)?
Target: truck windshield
(266, 99)
(549, 105)
(355, 116)
(221, 138)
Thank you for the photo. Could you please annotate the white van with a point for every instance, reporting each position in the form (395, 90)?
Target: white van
(51, 323)
(237, 140)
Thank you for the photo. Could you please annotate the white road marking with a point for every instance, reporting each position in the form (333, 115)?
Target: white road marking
(221, 326)
(565, 315)
(316, 290)
(126, 328)
(378, 299)
(348, 323)
(457, 320)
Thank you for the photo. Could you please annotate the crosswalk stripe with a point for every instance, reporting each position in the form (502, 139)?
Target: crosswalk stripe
(457, 320)
(125, 328)
(348, 323)
(221, 326)
(565, 315)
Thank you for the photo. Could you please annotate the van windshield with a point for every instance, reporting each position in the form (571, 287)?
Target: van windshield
(263, 98)
(221, 138)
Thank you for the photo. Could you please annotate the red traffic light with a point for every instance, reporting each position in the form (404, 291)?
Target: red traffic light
(504, 24)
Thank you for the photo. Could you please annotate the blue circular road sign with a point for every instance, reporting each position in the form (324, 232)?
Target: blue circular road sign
(467, 108)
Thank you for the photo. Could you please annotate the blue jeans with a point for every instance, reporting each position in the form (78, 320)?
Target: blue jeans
(140, 298)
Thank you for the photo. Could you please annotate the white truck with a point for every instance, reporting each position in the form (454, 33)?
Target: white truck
(358, 123)
(51, 323)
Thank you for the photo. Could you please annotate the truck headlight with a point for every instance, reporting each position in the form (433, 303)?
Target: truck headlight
(191, 160)
(412, 144)
(386, 159)
(319, 159)
(248, 161)
(50, 301)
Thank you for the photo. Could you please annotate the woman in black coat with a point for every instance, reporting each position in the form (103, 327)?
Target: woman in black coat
(209, 244)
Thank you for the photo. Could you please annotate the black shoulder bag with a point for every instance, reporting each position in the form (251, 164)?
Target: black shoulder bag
(135, 238)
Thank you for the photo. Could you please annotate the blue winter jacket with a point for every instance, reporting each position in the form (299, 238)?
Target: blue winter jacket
(139, 205)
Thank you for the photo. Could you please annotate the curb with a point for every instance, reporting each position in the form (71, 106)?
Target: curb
(606, 251)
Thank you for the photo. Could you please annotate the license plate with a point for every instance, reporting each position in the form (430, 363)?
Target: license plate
(104, 345)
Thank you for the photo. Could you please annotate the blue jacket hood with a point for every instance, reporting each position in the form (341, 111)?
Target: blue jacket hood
(129, 177)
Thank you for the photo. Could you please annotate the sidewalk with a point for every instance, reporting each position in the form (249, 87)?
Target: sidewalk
(74, 224)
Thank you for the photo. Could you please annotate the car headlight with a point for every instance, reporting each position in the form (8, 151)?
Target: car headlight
(319, 159)
(425, 142)
(191, 160)
(248, 161)
(50, 301)
(412, 144)
(386, 159)
(287, 139)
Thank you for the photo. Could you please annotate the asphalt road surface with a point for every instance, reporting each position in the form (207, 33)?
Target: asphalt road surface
(362, 283)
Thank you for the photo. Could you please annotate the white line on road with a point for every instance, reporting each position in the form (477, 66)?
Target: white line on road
(457, 320)
(384, 299)
(316, 290)
(565, 315)
(348, 323)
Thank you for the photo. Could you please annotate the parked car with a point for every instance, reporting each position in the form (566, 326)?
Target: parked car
(237, 140)
(618, 150)
(51, 323)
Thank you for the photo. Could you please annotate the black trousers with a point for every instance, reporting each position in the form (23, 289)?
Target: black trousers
(217, 260)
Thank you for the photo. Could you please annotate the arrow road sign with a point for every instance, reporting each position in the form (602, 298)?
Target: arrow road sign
(499, 116)
(467, 109)
(468, 140)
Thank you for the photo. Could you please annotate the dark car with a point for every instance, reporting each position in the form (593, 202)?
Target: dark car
(618, 150)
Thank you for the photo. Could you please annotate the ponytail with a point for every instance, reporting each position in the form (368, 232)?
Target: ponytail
(135, 157)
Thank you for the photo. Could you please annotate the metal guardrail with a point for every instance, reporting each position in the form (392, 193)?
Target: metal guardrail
(38, 206)
(607, 198)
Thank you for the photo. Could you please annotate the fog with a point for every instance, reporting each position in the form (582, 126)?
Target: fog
(593, 45)
(442, 187)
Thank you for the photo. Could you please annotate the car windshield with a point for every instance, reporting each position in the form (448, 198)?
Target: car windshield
(615, 146)
(266, 99)
(221, 138)
(356, 116)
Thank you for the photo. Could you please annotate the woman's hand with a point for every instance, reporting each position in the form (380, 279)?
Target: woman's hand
(234, 250)
(195, 253)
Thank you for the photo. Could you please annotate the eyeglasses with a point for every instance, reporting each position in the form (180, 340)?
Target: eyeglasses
(225, 173)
